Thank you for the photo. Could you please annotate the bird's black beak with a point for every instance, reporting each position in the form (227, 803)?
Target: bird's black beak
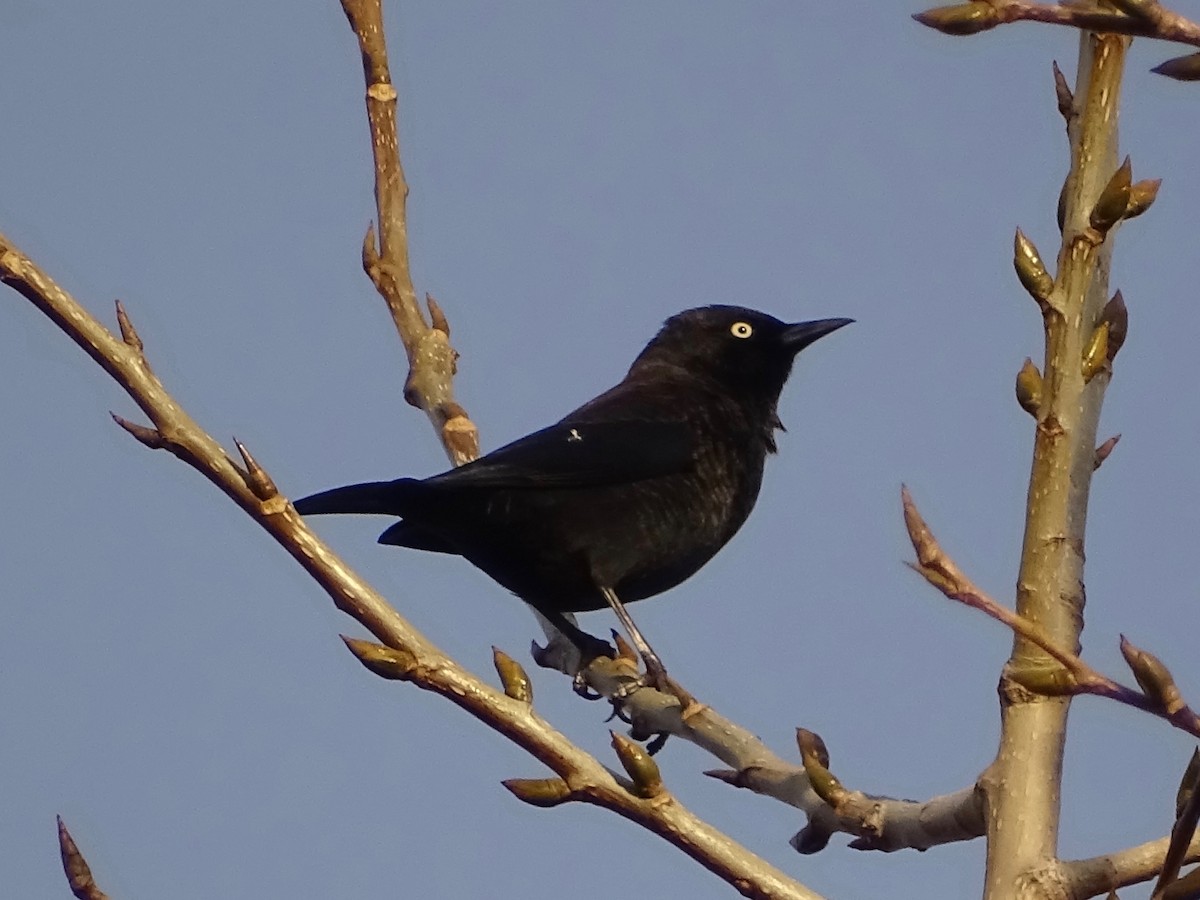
(797, 337)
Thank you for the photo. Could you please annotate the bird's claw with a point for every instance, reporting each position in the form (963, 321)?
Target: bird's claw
(580, 686)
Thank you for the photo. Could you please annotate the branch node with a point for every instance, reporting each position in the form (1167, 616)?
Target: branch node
(1044, 680)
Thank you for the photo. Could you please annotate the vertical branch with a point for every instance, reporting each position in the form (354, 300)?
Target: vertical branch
(1023, 786)
(431, 360)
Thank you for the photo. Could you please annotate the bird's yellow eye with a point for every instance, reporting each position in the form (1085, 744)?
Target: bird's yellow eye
(741, 329)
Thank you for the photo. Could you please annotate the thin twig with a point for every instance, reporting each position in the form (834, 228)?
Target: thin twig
(432, 361)
(936, 567)
(1154, 21)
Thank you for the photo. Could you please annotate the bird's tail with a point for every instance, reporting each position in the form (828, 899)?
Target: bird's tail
(388, 498)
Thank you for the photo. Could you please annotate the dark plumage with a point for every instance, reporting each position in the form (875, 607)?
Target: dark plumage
(628, 495)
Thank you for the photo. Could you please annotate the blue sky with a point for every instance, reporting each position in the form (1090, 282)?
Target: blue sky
(173, 685)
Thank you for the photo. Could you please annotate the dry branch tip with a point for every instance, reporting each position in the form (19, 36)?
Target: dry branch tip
(624, 650)
(128, 333)
(1062, 95)
(150, 437)
(437, 318)
(79, 874)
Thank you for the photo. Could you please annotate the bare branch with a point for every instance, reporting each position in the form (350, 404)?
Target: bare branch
(406, 653)
(1083, 878)
(1159, 695)
(432, 361)
(1135, 18)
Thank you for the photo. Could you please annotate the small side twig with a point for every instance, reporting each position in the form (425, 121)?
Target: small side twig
(1136, 18)
(1159, 695)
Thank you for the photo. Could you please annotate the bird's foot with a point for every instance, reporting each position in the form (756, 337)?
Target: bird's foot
(657, 678)
(587, 649)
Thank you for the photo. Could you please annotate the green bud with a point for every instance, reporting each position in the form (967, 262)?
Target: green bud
(1029, 388)
(960, 19)
(1116, 316)
(1181, 68)
(1095, 355)
(543, 792)
(516, 682)
(1030, 269)
(1141, 196)
(639, 765)
(816, 767)
(386, 662)
(1153, 677)
(1113, 200)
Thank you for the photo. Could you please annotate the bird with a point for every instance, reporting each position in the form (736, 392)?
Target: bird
(623, 498)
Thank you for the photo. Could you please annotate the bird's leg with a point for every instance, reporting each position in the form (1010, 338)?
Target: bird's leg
(656, 672)
(589, 647)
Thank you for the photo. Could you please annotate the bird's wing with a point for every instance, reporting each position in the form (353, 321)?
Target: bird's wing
(575, 454)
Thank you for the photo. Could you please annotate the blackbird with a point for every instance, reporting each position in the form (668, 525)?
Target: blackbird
(623, 498)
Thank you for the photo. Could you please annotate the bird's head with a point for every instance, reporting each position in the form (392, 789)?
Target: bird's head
(746, 351)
